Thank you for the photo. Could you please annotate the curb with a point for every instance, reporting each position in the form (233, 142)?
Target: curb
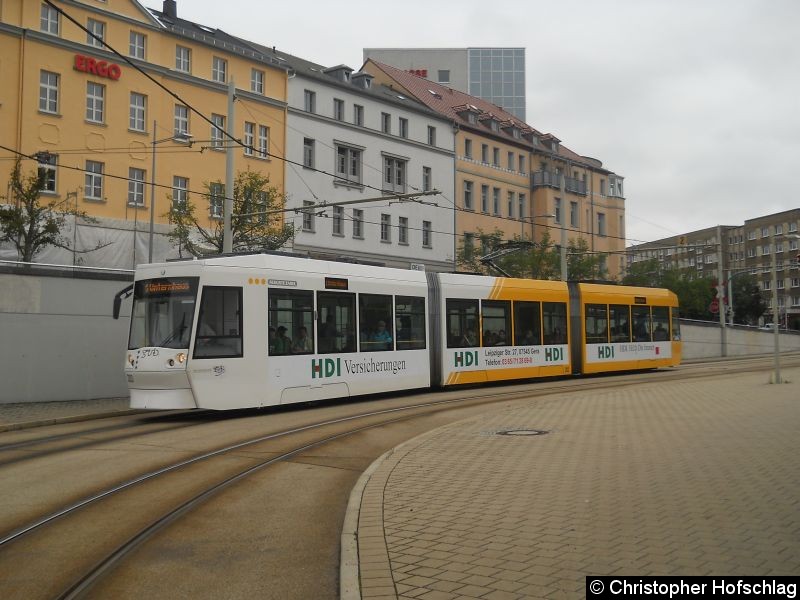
(73, 419)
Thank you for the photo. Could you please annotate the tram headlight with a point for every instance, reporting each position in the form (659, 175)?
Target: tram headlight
(181, 358)
(131, 361)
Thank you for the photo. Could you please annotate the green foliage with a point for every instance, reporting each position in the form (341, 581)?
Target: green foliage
(527, 259)
(33, 223)
(748, 305)
(251, 194)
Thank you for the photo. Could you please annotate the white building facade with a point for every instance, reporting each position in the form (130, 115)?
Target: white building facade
(348, 141)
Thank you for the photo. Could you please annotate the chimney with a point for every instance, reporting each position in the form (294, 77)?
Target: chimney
(170, 9)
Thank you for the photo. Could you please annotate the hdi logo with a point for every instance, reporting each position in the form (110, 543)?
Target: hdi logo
(605, 352)
(466, 359)
(326, 367)
(553, 354)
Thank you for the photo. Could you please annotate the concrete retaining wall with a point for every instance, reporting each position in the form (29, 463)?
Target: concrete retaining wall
(701, 339)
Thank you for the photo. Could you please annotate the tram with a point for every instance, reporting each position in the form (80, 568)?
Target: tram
(259, 330)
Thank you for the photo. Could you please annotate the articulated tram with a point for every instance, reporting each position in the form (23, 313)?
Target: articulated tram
(259, 330)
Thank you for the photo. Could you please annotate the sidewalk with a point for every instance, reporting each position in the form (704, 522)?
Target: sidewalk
(693, 478)
(22, 415)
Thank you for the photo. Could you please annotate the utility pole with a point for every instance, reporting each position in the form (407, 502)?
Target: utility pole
(563, 229)
(227, 236)
(720, 296)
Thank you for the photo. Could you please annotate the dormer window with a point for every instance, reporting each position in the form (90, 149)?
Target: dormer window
(471, 118)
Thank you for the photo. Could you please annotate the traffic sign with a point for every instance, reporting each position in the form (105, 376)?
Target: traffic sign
(714, 306)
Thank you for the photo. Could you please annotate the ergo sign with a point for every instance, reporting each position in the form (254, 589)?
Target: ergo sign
(97, 67)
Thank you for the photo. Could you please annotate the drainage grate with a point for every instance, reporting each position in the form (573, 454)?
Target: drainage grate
(522, 432)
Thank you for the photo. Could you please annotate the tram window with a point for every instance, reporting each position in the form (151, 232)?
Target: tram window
(596, 324)
(163, 312)
(620, 321)
(496, 319)
(527, 324)
(641, 323)
(676, 326)
(375, 322)
(219, 328)
(336, 327)
(462, 323)
(554, 322)
(291, 322)
(660, 323)
(409, 322)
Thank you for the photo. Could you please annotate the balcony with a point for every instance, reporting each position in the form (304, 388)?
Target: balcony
(553, 180)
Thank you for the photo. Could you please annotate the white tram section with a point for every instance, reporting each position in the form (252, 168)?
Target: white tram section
(374, 320)
(627, 351)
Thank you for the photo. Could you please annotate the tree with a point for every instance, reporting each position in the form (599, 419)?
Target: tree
(645, 273)
(748, 305)
(251, 232)
(33, 223)
(583, 265)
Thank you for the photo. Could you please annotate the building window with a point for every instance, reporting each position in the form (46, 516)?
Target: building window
(95, 102)
(779, 229)
(93, 185)
(601, 224)
(485, 153)
(511, 161)
(511, 205)
(180, 191)
(443, 76)
(310, 101)
(183, 59)
(431, 135)
(249, 138)
(137, 47)
(602, 187)
(557, 210)
(467, 148)
(136, 179)
(522, 165)
(358, 115)
(427, 235)
(496, 200)
(496, 157)
(338, 220)
(50, 20)
(96, 33)
(216, 200)
(386, 123)
(219, 69)
(402, 231)
(485, 199)
(257, 81)
(181, 120)
(137, 112)
(263, 141)
(338, 109)
(522, 207)
(358, 223)
(386, 228)
(47, 171)
(308, 153)
(48, 92)
(348, 164)
(394, 174)
(468, 187)
(403, 124)
(573, 214)
(427, 179)
(217, 130)
(308, 216)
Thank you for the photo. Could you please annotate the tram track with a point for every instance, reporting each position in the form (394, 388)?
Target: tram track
(191, 482)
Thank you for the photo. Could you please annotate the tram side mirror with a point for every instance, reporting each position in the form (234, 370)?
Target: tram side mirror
(119, 297)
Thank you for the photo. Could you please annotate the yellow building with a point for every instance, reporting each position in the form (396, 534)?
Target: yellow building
(100, 126)
(508, 175)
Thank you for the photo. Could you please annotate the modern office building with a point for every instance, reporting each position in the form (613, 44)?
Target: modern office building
(496, 75)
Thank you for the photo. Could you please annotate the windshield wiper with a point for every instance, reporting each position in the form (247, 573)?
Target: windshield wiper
(177, 332)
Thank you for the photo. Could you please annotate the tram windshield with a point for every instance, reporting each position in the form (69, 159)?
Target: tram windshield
(163, 311)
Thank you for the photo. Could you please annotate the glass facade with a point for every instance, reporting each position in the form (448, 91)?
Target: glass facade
(498, 75)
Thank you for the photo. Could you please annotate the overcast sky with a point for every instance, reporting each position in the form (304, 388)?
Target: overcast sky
(696, 103)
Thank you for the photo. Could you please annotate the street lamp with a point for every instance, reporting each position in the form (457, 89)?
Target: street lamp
(178, 137)
(775, 309)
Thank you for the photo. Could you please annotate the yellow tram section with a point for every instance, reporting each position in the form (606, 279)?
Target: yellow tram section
(624, 295)
(519, 290)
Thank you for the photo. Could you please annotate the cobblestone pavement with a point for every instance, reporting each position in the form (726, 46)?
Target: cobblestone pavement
(692, 478)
